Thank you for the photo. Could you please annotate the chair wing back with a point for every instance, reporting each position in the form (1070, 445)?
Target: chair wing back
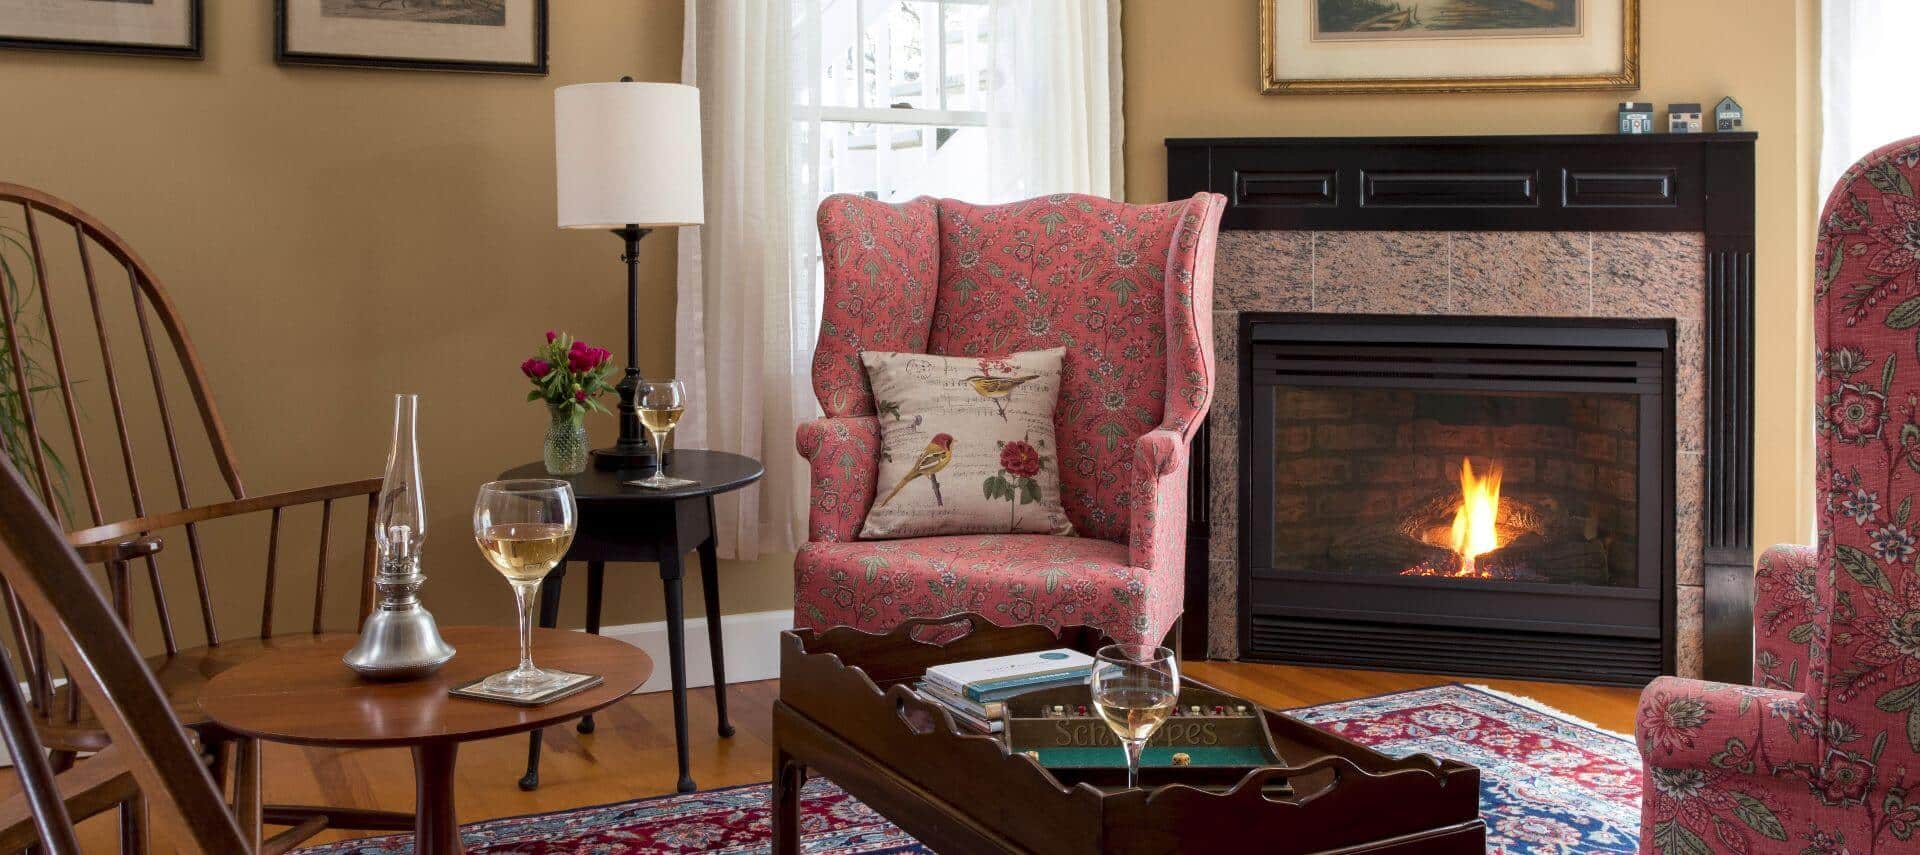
(45, 580)
(880, 262)
(1866, 327)
(1126, 289)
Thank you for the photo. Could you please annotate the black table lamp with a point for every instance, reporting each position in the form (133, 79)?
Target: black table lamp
(627, 159)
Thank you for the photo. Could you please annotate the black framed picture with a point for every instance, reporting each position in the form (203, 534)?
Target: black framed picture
(498, 36)
(144, 27)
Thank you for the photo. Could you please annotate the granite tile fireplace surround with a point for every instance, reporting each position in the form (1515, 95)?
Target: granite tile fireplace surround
(1579, 231)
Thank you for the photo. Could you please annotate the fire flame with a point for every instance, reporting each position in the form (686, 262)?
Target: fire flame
(1473, 523)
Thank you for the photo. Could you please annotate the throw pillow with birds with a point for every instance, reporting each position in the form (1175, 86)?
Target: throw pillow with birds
(939, 437)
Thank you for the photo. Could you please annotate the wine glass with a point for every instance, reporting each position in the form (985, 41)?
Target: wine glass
(661, 402)
(1135, 687)
(524, 528)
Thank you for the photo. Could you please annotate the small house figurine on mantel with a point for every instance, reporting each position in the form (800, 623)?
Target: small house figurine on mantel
(1684, 119)
(1636, 117)
(1728, 116)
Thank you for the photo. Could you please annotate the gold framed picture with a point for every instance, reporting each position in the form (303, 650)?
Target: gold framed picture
(1336, 47)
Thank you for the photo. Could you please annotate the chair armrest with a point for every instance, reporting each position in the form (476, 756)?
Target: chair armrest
(219, 510)
(1789, 624)
(1694, 724)
(121, 550)
(843, 455)
(1157, 530)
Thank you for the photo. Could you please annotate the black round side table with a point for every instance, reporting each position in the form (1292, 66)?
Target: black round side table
(623, 523)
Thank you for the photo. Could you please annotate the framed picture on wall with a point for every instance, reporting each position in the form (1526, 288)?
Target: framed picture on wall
(148, 27)
(1383, 46)
(500, 36)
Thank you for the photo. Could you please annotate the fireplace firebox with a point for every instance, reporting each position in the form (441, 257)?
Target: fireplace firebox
(1468, 495)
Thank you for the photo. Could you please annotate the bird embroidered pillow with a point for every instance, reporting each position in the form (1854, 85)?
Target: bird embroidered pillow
(966, 444)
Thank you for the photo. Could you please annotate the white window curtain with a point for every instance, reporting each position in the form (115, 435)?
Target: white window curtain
(744, 333)
(749, 290)
(1053, 108)
(1866, 81)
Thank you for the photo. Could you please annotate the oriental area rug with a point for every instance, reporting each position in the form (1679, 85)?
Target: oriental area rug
(1550, 783)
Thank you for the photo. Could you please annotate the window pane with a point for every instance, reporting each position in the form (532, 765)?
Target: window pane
(893, 163)
(839, 73)
(965, 55)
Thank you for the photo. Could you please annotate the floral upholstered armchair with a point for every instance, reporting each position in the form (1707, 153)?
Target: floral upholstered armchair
(1128, 291)
(1822, 754)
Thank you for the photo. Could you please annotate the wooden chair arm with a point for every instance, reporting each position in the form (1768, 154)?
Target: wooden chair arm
(219, 510)
(95, 785)
(122, 550)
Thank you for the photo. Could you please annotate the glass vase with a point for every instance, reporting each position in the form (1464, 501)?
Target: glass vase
(566, 447)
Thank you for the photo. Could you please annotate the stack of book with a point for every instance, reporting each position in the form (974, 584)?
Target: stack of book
(975, 691)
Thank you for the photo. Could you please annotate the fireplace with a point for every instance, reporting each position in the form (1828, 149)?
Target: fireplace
(1470, 495)
(1594, 236)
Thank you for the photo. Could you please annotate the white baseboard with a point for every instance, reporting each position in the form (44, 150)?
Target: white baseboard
(752, 642)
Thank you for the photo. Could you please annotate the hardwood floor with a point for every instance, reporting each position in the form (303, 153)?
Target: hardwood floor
(630, 755)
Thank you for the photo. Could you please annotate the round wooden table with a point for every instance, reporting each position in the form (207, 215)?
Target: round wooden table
(303, 695)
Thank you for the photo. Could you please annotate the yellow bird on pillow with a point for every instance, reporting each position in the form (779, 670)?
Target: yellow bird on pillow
(998, 389)
(937, 455)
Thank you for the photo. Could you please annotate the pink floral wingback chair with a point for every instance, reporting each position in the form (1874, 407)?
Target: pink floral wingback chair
(1128, 291)
(1822, 755)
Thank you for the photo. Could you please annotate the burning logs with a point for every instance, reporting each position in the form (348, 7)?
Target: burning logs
(1538, 541)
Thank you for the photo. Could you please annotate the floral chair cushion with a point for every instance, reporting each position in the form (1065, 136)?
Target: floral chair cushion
(1823, 754)
(1011, 579)
(966, 445)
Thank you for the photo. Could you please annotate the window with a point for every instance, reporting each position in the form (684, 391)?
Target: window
(897, 104)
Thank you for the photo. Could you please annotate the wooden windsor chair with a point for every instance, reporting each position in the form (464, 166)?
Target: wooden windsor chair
(151, 759)
(118, 525)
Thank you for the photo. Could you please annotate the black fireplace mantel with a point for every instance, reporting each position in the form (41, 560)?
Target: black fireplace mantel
(1655, 183)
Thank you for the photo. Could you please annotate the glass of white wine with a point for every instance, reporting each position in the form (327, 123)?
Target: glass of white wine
(524, 528)
(1135, 687)
(661, 403)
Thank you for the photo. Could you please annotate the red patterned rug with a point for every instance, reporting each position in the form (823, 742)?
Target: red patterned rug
(1550, 783)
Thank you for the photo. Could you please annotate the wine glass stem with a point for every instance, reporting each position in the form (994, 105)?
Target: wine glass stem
(523, 597)
(659, 454)
(1134, 746)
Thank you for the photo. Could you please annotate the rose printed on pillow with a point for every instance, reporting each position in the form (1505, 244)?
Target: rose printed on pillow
(947, 421)
(1019, 462)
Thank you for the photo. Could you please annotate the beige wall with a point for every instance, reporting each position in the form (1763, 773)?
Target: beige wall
(332, 236)
(1191, 70)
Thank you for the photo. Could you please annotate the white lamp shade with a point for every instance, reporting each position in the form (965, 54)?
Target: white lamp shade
(627, 154)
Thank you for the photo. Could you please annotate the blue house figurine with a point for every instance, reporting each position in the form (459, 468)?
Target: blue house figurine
(1636, 117)
(1728, 116)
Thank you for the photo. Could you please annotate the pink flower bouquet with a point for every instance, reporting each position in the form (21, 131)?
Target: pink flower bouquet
(569, 375)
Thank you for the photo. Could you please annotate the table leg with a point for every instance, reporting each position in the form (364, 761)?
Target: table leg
(435, 830)
(596, 581)
(677, 654)
(788, 777)
(248, 802)
(549, 618)
(710, 588)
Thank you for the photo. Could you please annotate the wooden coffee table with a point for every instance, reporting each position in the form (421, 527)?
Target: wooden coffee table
(846, 711)
(303, 695)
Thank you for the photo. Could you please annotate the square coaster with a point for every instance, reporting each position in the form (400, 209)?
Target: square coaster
(672, 483)
(575, 684)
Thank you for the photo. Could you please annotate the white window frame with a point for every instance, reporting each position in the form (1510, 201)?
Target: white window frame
(928, 120)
